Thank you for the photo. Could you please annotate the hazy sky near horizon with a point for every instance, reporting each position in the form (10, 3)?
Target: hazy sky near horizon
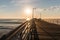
(14, 8)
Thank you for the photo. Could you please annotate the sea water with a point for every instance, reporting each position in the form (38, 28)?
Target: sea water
(8, 25)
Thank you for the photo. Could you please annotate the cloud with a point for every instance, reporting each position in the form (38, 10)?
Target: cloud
(3, 6)
(19, 2)
(52, 8)
(50, 12)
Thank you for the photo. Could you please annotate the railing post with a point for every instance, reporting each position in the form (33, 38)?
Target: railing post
(20, 36)
(3, 38)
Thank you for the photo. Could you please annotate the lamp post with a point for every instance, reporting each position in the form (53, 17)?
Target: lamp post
(40, 15)
(33, 12)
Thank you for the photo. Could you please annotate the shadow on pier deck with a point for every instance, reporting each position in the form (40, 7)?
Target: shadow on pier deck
(34, 30)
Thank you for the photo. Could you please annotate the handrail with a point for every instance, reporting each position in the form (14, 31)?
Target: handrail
(16, 32)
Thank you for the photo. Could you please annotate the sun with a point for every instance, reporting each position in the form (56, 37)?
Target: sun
(28, 11)
(28, 19)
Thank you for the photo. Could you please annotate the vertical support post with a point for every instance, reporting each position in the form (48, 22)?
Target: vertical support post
(33, 12)
(40, 15)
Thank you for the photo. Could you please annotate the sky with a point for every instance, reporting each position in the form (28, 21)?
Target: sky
(15, 8)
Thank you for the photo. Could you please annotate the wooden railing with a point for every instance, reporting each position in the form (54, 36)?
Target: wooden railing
(55, 21)
(20, 33)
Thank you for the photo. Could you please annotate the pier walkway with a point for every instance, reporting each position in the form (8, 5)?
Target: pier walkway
(34, 29)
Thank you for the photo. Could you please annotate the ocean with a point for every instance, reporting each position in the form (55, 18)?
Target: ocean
(7, 25)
